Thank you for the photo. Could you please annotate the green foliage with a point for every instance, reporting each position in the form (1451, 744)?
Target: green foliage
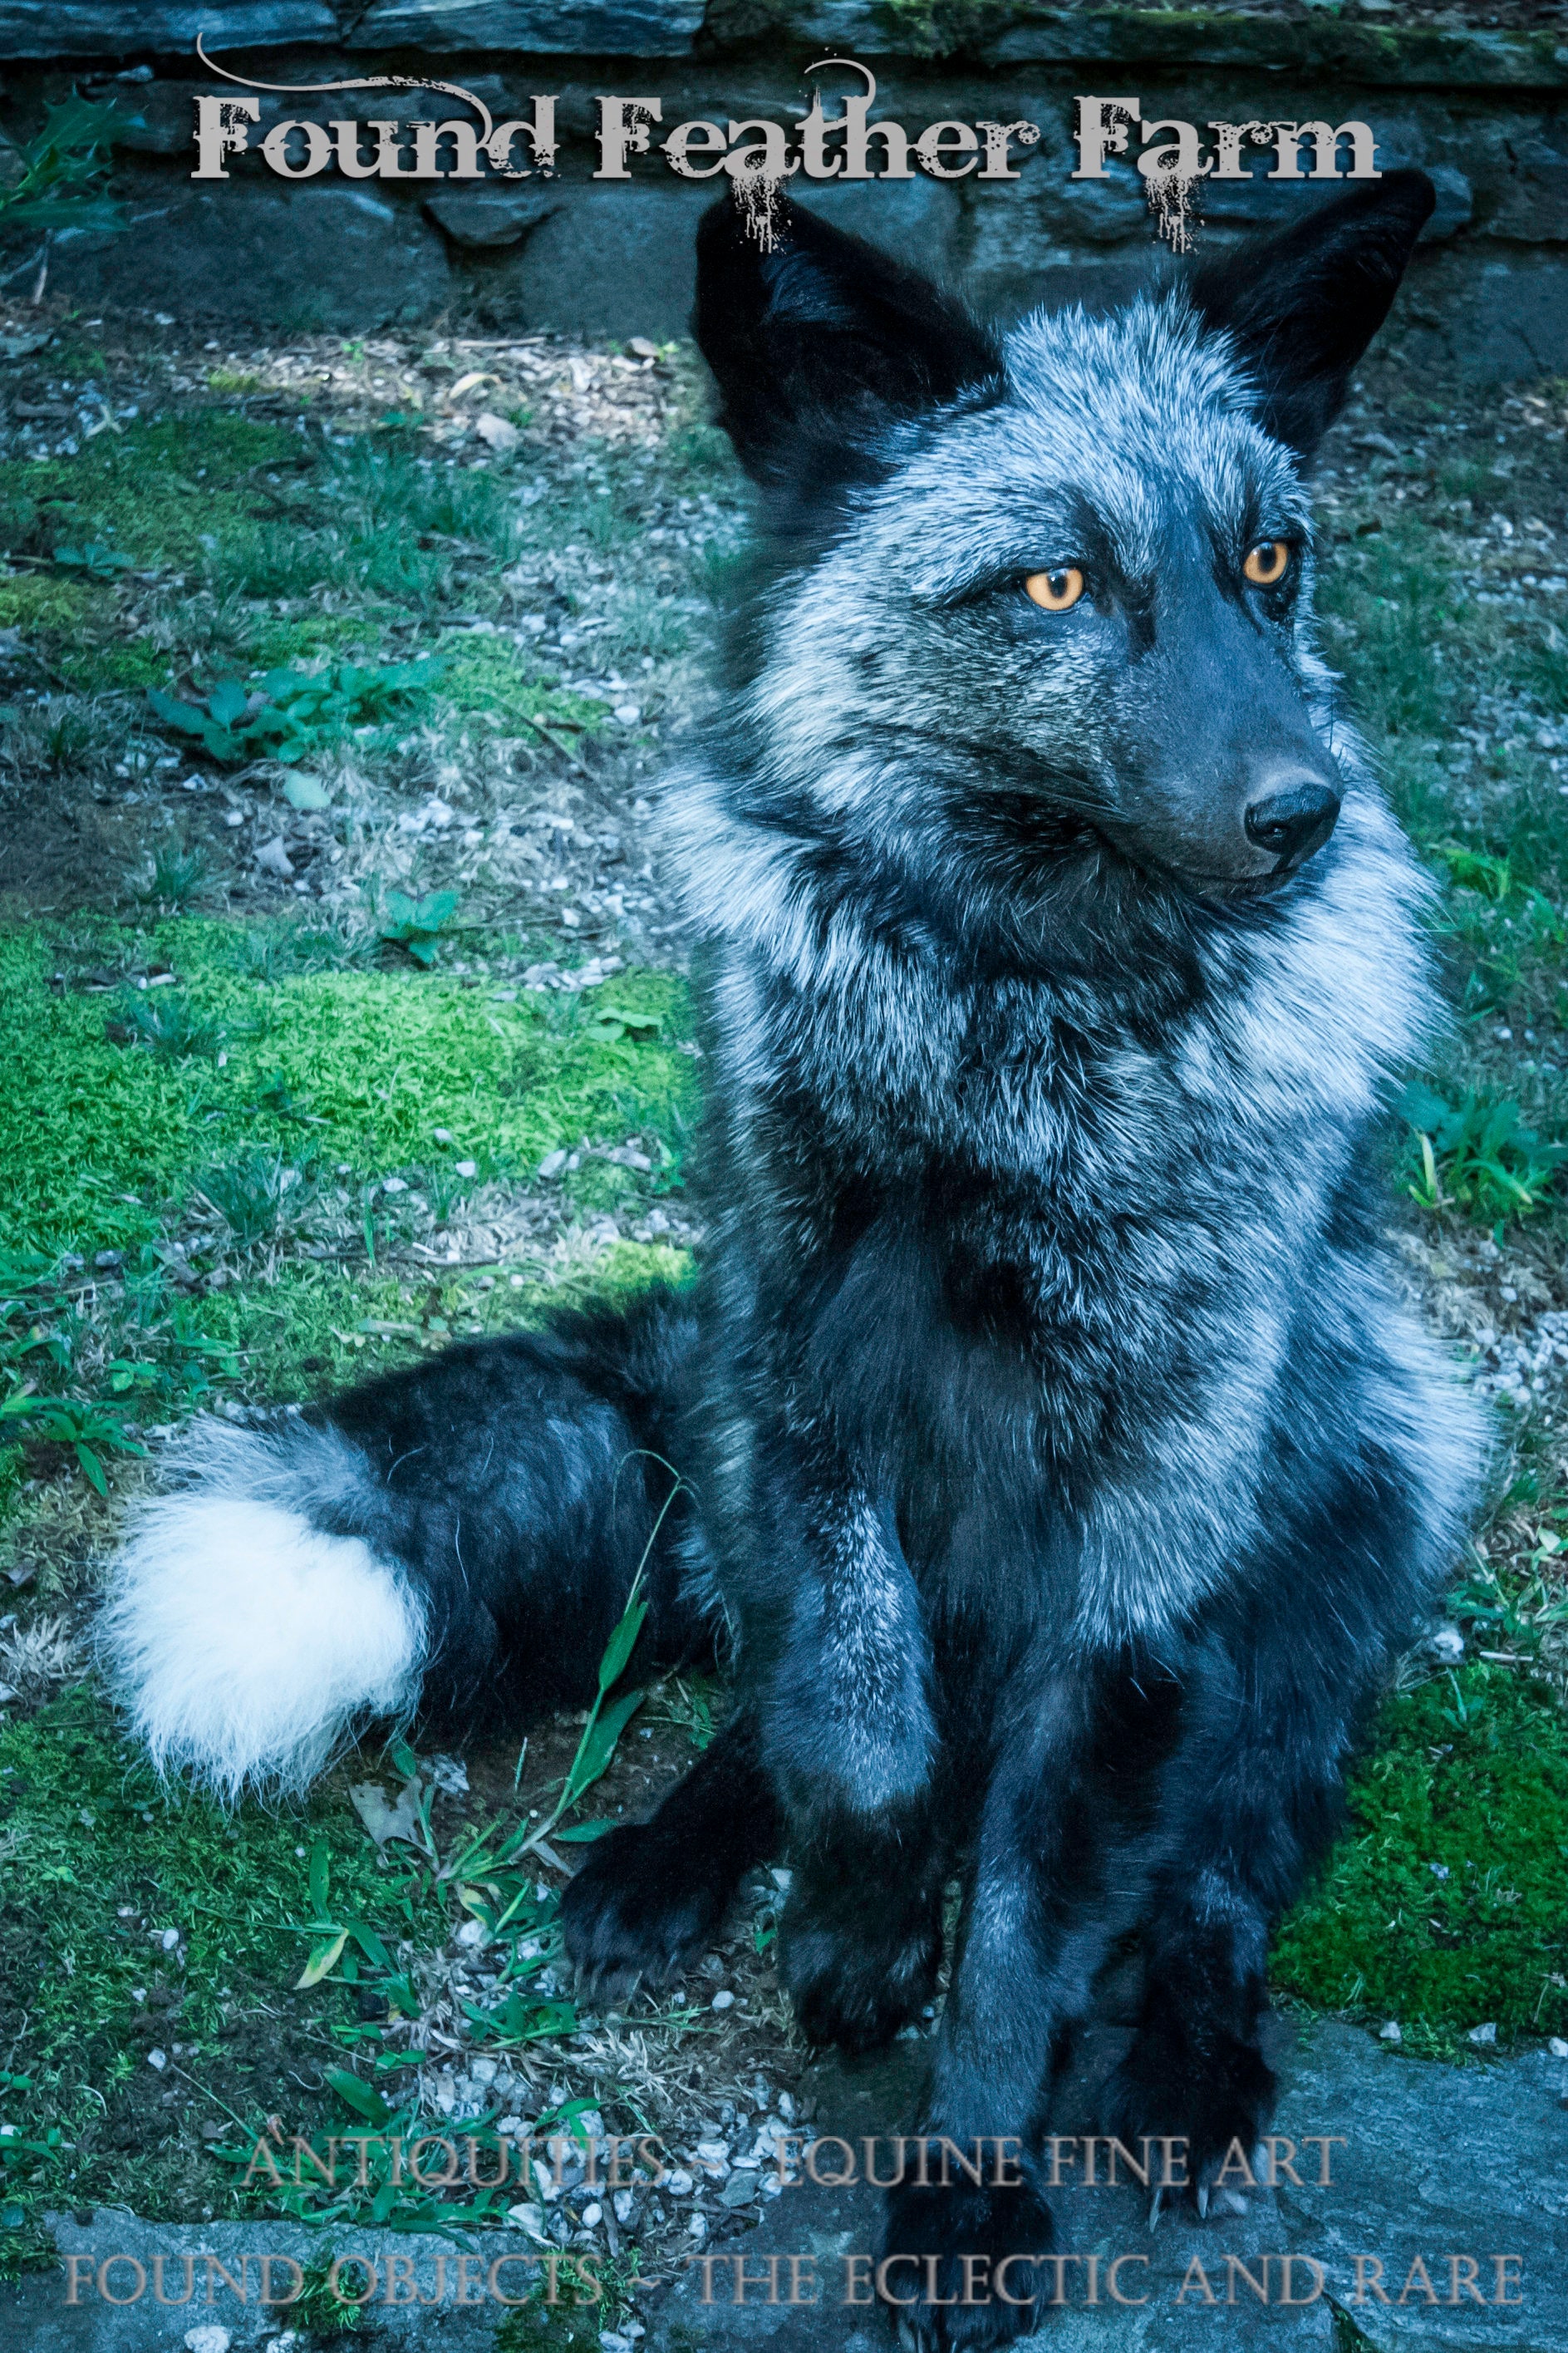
(98, 1860)
(1515, 1605)
(1479, 1155)
(1476, 869)
(165, 1023)
(251, 1193)
(491, 1873)
(291, 713)
(42, 601)
(90, 1431)
(98, 560)
(563, 2327)
(1444, 1906)
(57, 172)
(416, 926)
(320, 2308)
(611, 1023)
(179, 876)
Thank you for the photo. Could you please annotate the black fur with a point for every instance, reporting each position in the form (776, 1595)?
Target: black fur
(1303, 308)
(525, 1536)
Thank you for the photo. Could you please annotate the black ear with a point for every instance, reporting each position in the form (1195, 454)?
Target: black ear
(823, 340)
(1303, 307)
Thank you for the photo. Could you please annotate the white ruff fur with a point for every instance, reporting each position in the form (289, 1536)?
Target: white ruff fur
(245, 1642)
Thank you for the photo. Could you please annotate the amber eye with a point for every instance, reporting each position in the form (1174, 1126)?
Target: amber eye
(1057, 591)
(1265, 562)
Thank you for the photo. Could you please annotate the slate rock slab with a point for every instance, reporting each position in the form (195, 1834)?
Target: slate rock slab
(1427, 2163)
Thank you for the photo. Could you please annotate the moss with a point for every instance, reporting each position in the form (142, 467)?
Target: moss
(47, 601)
(162, 490)
(1444, 1905)
(505, 683)
(1347, 50)
(114, 669)
(539, 2329)
(99, 1142)
(312, 1329)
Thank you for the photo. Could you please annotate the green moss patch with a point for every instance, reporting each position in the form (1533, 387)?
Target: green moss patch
(1446, 1904)
(161, 491)
(104, 1132)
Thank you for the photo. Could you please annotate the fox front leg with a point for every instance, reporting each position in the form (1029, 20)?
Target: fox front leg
(850, 1743)
(1057, 1876)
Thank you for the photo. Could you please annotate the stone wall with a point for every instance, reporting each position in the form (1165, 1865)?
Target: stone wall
(1483, 108)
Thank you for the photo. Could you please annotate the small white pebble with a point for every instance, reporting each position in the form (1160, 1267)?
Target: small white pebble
(725, 2000)
(697, 2227)
(441, 1136)
(1390, 2033)
(592, 2216)
(394, 1184)
(1487, 2033)
(1558, 2048)
(157, 2061)
(170, 1939)
(465, 1167)
(208, 2339)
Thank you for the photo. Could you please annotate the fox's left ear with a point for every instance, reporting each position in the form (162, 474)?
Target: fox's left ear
(1302, 307)
(817, 343)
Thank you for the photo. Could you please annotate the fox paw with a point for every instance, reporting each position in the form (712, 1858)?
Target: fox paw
(642, 1907)
(1210, 2088)
(959, 2265)
(855, 1990)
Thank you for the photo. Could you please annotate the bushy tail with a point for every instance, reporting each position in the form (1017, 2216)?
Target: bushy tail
(457, 1540)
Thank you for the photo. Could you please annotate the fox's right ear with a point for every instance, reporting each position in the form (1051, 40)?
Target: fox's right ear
(825, 339)
(1301, 308)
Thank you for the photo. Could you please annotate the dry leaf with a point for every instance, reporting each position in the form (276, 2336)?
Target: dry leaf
(399, 1820)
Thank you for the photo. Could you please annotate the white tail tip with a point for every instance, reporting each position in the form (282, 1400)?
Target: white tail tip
(245, 1641)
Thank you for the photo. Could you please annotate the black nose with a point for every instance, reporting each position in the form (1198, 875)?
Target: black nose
(1294, 821)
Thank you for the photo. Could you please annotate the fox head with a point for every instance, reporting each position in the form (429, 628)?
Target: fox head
(1041, 598)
